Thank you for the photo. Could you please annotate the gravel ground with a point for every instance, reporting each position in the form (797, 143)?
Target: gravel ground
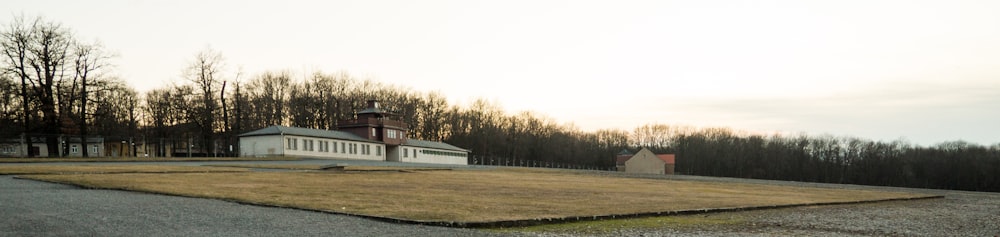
(959, 213)
(32, 208)
(956, 215)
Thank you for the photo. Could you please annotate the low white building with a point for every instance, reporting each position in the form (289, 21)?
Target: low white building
(371, 136)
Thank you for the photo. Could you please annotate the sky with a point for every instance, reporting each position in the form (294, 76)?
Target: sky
(922, 71)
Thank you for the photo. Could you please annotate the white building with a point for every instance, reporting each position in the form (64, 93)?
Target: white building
(372, 136)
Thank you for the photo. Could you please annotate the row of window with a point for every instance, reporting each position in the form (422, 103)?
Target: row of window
(324, 146)
(406, 154)
(443, 153)
(76, 149)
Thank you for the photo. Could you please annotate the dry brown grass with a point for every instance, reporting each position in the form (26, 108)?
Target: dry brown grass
(337, 168)
(270, 166)
(469, 195)
(109, 169)
(141, 159)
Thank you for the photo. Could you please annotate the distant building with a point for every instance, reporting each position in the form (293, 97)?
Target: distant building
(68, 147)
(645, 162)
(372, 135)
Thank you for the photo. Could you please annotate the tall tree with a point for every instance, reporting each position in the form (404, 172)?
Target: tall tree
(89, 59)
(205, 72)
(15, 42)
(39, 51)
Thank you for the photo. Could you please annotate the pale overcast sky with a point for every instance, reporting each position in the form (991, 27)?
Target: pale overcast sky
(926, 71)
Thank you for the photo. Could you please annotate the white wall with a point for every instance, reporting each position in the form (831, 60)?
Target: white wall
(644, 162)
(428, 155)
(277, 145)
(261, 146)
(345, 149)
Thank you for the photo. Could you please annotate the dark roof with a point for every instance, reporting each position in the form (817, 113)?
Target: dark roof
(624, 152)
(621, 159)
(306, 132)
(373, 111)
(666, 158)
(430, 144)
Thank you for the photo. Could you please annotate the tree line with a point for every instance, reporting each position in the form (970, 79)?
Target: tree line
(54, 84)
(724, 152)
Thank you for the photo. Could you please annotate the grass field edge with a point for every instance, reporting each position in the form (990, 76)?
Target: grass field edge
(509, 223)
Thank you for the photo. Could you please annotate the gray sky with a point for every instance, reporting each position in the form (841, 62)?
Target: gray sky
(926, 71)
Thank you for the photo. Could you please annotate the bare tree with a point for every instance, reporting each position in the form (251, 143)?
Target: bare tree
(38, 52)
(88, 60)
(205, 72)
(15, 41)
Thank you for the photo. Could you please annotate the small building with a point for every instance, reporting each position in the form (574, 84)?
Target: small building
(645, 162)
(68, 147)
(372, 135)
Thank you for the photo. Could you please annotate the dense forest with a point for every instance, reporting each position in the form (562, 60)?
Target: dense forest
(54, 84)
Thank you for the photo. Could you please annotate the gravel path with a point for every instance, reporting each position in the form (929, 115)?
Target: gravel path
(960, 213)
(33, 208)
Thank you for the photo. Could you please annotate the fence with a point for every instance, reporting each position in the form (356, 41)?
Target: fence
(515, 162)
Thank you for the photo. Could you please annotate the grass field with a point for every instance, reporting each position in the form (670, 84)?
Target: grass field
(468, 196)
(340, 168)
(141, 159)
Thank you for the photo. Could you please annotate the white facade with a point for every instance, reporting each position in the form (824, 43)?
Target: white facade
(430, 155)
(332, 148)
(302, 146)
(331, 144)
(261, 146)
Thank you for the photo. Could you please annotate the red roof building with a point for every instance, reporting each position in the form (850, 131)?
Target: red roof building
(645, 161)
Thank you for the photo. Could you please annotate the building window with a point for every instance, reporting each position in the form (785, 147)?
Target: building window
(74, 148)
(343, 147)
(406, 153)
(443, 153)
(94, 149)
(414, 153)
(293, 144)
(334, 147)
(7, 149)
(392, 133)
(378, 150)
(374, 132)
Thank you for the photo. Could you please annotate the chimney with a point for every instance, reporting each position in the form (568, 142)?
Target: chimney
(372, 104)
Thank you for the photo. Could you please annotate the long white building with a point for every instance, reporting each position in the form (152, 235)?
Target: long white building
(371, 136)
